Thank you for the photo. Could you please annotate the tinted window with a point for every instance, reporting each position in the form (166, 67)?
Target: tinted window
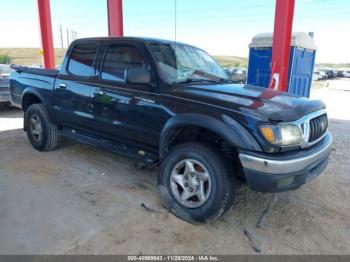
(82, 59)
(118, 59)
(179, 62)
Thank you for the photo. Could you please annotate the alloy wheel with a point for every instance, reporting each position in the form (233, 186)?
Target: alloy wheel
(190, 183)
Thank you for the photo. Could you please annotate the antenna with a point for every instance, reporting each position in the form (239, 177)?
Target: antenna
(61, 36)
(175, 20)
(67, 37)
(175, 71)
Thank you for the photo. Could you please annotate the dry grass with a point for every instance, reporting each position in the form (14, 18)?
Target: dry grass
(232, 61)
(30, 56)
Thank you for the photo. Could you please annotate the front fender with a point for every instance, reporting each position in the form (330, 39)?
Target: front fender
(229, 129)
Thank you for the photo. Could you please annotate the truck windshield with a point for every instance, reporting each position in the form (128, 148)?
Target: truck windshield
(181, 63)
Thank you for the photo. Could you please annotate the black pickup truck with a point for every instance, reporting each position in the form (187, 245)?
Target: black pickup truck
(171, 104)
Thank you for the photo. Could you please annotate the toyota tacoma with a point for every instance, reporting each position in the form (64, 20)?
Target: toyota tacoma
(171, 104)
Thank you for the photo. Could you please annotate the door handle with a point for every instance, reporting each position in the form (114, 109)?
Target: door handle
(63, 86)
(99, 93)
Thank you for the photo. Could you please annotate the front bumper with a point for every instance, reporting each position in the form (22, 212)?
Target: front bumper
(287, 171)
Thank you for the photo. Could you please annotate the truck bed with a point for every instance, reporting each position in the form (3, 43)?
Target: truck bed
(36, 71)
(38, 80)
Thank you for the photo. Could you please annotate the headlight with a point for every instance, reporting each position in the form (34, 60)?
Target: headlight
(282, 134)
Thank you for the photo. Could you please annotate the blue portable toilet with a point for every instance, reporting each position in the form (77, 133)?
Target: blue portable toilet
(301, 63)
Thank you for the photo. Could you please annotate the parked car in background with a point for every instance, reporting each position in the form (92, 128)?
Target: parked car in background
(317, 76)
(340, 73)
(328, 72)
(346, 74)
(335, 72)
(5, 71)
(237, 74)
(324, 75)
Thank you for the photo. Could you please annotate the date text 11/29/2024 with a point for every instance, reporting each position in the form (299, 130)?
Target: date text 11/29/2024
(173, 258)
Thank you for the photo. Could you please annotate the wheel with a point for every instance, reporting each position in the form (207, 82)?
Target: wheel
(196, 183)
(42, 134)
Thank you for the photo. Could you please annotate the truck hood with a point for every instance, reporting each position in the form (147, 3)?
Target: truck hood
(262, 103)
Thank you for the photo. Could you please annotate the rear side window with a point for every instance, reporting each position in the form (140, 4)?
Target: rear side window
(118, 59)
(82, 59)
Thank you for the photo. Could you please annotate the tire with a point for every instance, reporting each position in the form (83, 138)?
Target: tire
(46, 139)
(219, 189)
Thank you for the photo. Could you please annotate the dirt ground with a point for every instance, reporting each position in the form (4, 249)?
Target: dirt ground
(82, 200)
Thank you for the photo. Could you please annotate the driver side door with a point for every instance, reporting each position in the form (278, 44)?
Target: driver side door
(125, 112)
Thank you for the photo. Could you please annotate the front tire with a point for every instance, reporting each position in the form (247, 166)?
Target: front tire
(42, 134)
(196, 183)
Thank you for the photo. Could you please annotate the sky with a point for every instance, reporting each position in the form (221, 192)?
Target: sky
(221, 27)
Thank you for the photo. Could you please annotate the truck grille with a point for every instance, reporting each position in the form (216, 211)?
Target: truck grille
(318, 126)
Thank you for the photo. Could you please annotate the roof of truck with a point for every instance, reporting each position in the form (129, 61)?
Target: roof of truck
(132, 38)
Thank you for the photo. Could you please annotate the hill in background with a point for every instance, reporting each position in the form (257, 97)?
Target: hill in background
(32, 56)
(335, 66)
(232, 61)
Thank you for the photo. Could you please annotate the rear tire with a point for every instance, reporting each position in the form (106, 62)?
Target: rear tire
(42, 134)
(183, 172)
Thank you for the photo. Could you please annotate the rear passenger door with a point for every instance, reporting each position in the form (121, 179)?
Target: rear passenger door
(73, 107)
(126, 112)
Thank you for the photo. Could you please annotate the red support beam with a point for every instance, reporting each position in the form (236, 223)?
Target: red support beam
(115, 17)
(281, 44)
(46, 33)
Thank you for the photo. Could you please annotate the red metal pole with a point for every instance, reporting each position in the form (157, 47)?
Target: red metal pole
(46, 33)
(281, 44)
(115, 17)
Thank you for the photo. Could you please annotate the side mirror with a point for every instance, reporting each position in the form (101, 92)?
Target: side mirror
(140, 75)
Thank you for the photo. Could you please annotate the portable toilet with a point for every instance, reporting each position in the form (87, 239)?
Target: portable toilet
(301, 63)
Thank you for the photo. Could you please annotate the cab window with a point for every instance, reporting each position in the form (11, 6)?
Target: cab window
(118, 59)
(82, 59)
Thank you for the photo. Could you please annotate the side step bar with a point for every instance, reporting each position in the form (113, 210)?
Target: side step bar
(108, 145)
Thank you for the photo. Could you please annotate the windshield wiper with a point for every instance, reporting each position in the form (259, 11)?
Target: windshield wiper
(224, 80)
(194, 80)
